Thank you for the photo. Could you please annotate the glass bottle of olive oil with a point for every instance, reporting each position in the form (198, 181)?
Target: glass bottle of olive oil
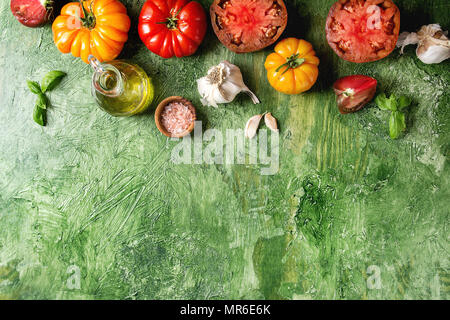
(121, 88)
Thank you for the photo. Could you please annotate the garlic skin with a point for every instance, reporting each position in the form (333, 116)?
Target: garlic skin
(222, 84)
(433, 43)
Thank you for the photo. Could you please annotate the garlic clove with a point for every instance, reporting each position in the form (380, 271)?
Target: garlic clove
(252, 126)
(229, 91)
(431, 54)
(253, 96)
(271, 122)
(238, 80)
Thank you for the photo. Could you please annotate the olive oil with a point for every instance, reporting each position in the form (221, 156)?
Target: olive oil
(121, 88)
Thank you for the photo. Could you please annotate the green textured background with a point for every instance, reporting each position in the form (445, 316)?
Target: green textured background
(101, 193)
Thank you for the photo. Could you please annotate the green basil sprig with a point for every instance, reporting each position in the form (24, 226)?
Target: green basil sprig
(397, 121)
(48, 83)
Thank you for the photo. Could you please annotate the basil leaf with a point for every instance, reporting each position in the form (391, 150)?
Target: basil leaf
(51, 80)
(393, 105)
(39, 115)
(397, 124)
(383, 102)
(380, 100)
(42, 101)
(34, 87)
(404, 102)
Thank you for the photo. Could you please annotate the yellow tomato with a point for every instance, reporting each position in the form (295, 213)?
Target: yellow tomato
(293, 67)
(99, 27)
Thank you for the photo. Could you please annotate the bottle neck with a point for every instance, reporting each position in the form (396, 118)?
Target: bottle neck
(107, 79)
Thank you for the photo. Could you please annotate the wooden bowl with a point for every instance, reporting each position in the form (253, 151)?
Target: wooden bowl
(160, 109)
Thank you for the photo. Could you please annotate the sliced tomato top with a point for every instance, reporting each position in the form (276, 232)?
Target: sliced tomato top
(363, 30)
(248, 25)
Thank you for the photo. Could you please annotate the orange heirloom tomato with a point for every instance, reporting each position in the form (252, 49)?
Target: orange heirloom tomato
(99, 27)
(293, 67)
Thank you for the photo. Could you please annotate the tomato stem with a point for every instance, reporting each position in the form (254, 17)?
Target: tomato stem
(48, 4)
(349, 92)
(171, 22)
(293, 62)
(89, 20)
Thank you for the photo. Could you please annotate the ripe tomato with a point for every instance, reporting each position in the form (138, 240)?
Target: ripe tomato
(172, 27)
(363, 30)
(99, 27)
(293, 67)
(247, 25)
(32, 13)
(354, 92)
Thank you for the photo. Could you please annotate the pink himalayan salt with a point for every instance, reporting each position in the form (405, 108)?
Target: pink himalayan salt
(176, 118)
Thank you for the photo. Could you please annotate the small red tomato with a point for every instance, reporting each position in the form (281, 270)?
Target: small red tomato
(32, 13)
(172, 28)
(354, 92)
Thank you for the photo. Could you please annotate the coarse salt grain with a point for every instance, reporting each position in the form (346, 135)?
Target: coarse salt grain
(176, 118)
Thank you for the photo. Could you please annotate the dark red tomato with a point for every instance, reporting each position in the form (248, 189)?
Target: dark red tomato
(363, 30)
(172, 27)
(354, 92)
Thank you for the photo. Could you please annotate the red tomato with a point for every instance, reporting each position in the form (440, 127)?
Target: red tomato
(363, 30)
(172, 27)
(32, 13)
(248, 25)
(354, 92)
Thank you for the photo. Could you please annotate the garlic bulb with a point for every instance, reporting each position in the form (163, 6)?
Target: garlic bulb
(222, 84)
(433, 43)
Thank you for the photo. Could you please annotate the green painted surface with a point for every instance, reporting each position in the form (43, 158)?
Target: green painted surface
(101, 193)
